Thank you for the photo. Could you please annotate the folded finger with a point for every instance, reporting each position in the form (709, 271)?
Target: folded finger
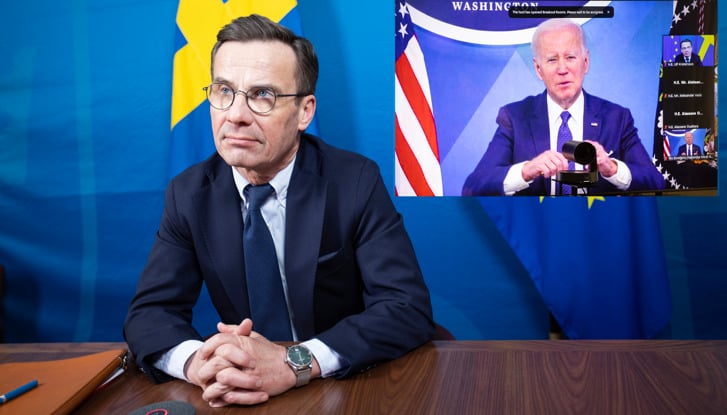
(240, 397)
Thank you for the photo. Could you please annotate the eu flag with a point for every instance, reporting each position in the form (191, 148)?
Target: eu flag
(598, 263)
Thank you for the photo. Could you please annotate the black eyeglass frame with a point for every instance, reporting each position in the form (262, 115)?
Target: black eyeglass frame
(247, 97)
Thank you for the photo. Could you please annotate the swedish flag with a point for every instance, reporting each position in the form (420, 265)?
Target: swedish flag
(198, 22)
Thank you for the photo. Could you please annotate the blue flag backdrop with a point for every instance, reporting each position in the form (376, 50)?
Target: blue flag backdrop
(598, 263)
(85, 156)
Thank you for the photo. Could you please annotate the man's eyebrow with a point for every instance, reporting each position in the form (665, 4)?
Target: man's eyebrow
(263, 85)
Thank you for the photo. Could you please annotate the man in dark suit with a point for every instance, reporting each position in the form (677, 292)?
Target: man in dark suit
(352, 291)
(523, 155)
(687, 56)
(688, 149)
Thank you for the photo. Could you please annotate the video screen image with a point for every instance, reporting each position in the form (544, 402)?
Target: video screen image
(473, 116)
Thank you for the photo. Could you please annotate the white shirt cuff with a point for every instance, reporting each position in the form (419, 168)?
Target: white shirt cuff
(329, 361)
(622, 178)
(514, 181)
(172, 362)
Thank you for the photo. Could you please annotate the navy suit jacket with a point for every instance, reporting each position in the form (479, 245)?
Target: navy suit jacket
(696, 151)
(353, 278)
(693, 59)
(523, 133)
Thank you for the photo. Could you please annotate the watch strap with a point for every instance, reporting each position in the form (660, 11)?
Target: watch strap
(302, 377)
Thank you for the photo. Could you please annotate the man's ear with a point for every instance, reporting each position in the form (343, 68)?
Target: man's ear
(537, 68)
(307, 110)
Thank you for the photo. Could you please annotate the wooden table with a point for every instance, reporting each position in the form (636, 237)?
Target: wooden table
(466, 377)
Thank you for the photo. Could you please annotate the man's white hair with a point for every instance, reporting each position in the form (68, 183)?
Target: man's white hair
(551, 25)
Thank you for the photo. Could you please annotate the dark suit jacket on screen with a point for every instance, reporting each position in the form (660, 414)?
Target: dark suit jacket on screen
(523, 133)
(353, 278)
(693, 59)
(695, 150)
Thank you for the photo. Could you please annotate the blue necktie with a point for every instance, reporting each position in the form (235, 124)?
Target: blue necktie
(564, 135)
(264, 287)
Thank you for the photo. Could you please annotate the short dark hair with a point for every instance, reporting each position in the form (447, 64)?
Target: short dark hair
(256, 27)
(685, 40)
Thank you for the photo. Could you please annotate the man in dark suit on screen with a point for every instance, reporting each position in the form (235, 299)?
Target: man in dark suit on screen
(523, 156)
(345, 288)
(687, 56)
(689, 149)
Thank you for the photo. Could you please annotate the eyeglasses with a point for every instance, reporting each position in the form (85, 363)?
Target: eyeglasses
(259, 100)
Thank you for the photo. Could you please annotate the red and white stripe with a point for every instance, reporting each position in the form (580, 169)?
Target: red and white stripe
(418, 172)
(667, 149)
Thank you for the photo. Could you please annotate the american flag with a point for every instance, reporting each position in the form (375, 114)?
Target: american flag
(418, 172)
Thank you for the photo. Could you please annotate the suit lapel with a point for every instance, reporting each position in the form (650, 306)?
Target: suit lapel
(539, 125)
(540, 138)
(305, 208)
(219, 212)
(592, 119)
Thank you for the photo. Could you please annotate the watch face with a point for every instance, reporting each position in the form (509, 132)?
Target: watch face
(299, 355)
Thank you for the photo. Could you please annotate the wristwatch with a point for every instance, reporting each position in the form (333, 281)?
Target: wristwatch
(300, 359)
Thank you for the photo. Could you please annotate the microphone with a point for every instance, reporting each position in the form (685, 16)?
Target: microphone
(165, 408)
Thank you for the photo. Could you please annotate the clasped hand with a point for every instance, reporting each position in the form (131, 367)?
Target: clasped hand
(239, 366)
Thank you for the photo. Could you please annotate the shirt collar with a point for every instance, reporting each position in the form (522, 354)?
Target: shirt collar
(575, 110)
(280, 182)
